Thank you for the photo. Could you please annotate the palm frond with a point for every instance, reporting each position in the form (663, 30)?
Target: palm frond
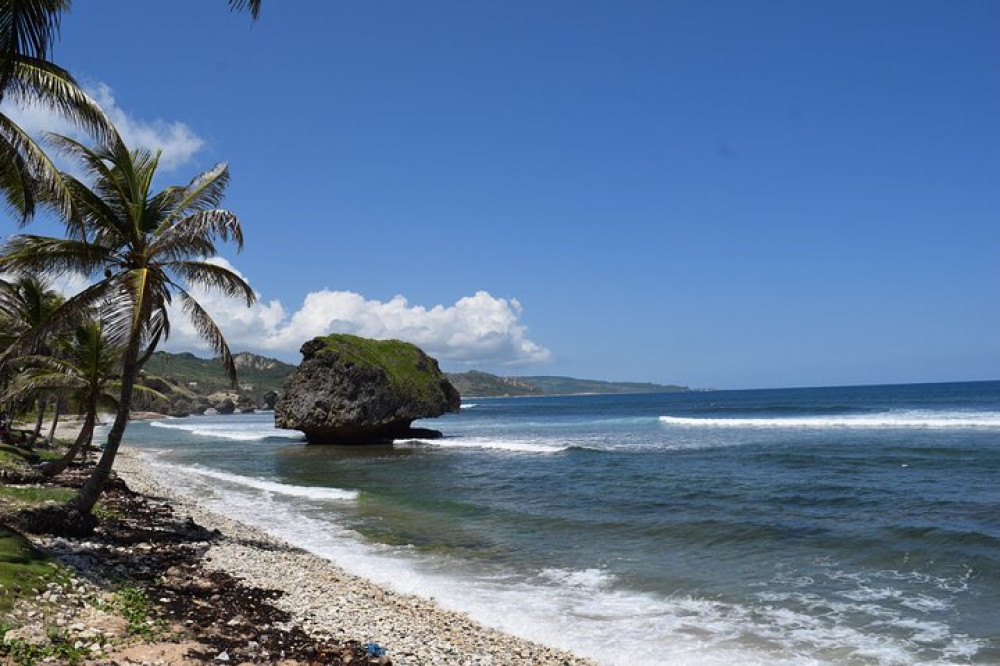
(74, 309)
(51, 363)
(209, 331)
(27, 28)
(157, 328)
(31, 384)
(213, 276)
(195, 234)
(97, 164)
(40, 81)
(204, 192)
(139, 389)
(46, 255)
(252, 5)
(16, 184)
(38, 176)
(90, 213)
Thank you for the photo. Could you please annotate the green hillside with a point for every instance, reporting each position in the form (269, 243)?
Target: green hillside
(255, 373)
(259, 374)
(483, 384)
(570, 385)
(476, 383)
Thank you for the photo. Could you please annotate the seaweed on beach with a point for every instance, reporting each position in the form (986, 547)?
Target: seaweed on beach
(144, 548)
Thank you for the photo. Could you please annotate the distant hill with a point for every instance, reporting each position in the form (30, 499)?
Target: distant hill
(566, 385)
(483, 384)
(255, 373)
(260, 374)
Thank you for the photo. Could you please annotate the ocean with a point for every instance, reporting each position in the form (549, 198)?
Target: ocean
(856, 525)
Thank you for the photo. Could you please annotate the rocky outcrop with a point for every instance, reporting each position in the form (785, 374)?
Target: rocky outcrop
(351, 390)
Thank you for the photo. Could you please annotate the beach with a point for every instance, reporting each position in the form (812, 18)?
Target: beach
(329, 603)
(225, 591)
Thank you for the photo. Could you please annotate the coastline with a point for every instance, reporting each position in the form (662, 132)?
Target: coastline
(331, 604)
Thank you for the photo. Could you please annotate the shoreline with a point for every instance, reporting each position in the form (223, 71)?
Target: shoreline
(331, 604)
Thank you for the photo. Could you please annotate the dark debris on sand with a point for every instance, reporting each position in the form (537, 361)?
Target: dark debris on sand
(142, 543)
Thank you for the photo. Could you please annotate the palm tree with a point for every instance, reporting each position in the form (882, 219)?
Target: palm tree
(25, 304)
(144, 249)
(85, 367)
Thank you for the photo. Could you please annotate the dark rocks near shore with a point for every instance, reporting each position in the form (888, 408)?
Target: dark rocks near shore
(352, 390)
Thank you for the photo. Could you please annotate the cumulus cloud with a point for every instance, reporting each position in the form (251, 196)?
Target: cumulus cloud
(476, 329)
(178, 142)
(480, 329)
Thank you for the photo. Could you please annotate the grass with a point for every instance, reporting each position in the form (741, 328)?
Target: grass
(23, 569)
(406, 367)
(13, 456)
(26, 497)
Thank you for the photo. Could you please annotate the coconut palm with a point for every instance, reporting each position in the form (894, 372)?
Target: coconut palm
(85, 368)
(144, 250)
(25, 304)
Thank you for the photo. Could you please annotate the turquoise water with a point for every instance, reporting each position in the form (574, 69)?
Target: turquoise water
(842, 525)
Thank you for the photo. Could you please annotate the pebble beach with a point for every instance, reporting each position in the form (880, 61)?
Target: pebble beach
(329, 603)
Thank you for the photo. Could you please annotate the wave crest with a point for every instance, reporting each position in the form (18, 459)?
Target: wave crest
(902, 419)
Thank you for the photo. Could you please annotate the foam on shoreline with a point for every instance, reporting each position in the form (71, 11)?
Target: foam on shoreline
(330, 602)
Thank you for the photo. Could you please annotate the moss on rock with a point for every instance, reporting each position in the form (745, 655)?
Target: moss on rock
(407, 368)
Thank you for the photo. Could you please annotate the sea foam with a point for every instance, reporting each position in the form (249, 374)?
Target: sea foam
(509, 445)
(248, 432)
(307, 492)
(586, 610)
(898, 419)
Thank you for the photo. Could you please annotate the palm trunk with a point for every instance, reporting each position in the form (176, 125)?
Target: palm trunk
(85, 500)
(55, 423)
(38, 423)
(82, 441)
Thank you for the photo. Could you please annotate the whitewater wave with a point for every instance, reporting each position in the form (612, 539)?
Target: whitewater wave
(469, 405)
(307, 492)
(586, 610)
(510, 445)
(250, 432)
(900, 419)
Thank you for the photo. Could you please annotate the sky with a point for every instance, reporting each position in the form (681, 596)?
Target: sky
(716, 194)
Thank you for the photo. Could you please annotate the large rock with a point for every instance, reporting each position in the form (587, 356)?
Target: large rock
(351, 390)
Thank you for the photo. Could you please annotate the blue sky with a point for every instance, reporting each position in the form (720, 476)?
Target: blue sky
(720, 194)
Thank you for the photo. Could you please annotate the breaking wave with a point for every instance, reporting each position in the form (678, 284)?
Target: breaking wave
(899, 419)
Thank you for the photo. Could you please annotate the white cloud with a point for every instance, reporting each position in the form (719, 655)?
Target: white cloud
(178, 142)
(478, 329)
